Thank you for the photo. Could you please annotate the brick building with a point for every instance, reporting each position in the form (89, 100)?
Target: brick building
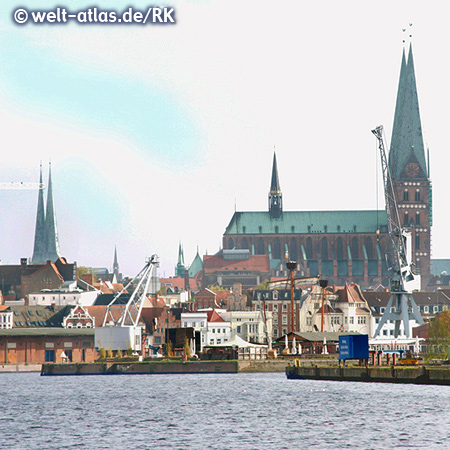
(345, 246)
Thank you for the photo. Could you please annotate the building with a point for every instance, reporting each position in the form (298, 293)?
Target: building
(349, 246)
(250, 326)
(336, 309)
(235, 266)
(277, 302)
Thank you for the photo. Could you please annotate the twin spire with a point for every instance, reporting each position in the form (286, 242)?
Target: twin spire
(407, 139)
(46, 243)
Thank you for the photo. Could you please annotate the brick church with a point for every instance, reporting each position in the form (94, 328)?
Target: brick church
(349, 246)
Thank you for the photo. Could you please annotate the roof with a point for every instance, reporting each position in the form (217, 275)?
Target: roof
(438, 266)
(255, 263)
(238, 342)
(213, 316)
(316, 336)
(297, 222)
(23, 332)
(196, 266)
(31, 316)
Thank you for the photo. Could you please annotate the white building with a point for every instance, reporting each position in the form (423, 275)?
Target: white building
(6, 317)
(249, 325)
(67, 294)
(212, 327)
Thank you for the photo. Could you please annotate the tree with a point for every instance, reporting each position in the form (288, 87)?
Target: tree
(83, 270)
(263, 286)
(439, 334)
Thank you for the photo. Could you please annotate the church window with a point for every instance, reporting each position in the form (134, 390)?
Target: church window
(339, 248)
(324, 249)
(293, 250)
(309, 252)
(417, 218)
(417, 196)
(417, 241)
(355, 253)
(260, 248)
(230, 243)
(405, 195)
(405, 218)
(277, 249)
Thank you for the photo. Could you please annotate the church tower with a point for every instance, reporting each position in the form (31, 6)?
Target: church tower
(181, 268)
(275, 196)
(116, 265)
(409, 168)
(46, 243)
(39, 235)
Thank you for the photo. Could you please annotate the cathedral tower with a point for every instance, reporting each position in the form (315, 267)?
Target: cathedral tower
(409, 168)
(275, 196)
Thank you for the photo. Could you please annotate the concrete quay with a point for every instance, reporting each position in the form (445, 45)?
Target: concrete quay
(388, 374)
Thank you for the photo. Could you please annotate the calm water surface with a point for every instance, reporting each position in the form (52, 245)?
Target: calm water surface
(236, 411)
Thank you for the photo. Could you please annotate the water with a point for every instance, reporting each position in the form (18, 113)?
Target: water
(220, 412)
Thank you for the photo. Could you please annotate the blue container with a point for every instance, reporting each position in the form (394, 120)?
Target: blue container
(354, 346)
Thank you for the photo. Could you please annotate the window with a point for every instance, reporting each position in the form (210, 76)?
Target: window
(238, 329)
(275, 308)
(417, 241)
(219, 341)
(284, 320)
(405, 218)
(405, 195)
(417, 218)
(352, 319)
(384, 332)
(157, 340)
(308, 321)
(417, 195)
(185, 324)
(49, 355)
(275, 332)
(211, 342)
(284, 308)
(213, 330)
(224, 331)
(382, 309)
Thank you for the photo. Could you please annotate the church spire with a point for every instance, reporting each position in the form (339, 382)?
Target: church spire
(275, 196)
(50, 224)
(116, 264)
(181, 268)
(407, 155)
(39, 235)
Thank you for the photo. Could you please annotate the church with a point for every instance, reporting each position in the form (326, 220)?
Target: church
(349, 246)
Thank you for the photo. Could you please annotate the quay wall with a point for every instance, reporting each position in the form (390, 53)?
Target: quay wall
(388, 374)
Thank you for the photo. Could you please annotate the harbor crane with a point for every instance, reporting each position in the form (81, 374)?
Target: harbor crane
(121, 329)
(401, 306)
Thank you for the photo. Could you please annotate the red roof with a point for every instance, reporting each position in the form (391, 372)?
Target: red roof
(256, 263)
(213, 316)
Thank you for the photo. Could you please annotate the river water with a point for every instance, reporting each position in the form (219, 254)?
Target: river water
(223, 411)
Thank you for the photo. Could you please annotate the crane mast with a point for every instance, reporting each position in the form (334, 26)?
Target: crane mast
(121, 329)
(401, 306)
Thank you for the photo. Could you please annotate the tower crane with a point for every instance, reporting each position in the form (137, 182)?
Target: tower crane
(121, 328)
(401, 306)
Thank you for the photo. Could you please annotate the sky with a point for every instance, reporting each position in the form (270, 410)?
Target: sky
(156, 134)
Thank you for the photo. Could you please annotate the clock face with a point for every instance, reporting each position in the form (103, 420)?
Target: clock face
(412, 170)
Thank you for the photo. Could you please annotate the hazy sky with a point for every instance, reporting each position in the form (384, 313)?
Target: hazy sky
(155, 133)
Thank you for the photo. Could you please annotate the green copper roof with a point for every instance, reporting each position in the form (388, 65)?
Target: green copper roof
(196, 266)
(407, 139)
(275, 183)
(303, 222)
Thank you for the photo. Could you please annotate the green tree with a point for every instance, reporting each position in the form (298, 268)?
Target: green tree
(187, 348)
(263, 286)
(83, 270)
(439, 334)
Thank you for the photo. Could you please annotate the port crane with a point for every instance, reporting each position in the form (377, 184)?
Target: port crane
(121, 328)
(401, 306)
